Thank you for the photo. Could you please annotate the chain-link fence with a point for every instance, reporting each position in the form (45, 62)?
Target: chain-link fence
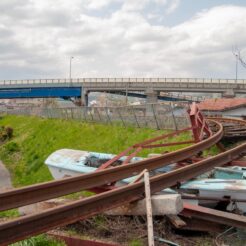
(157, 116)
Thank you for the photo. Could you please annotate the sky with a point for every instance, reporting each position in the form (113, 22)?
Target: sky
(121, 38)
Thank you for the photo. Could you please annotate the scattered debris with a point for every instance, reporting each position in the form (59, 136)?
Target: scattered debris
(208, 204)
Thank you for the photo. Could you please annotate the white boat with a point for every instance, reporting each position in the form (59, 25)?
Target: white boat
(68, 162)
(234, 189)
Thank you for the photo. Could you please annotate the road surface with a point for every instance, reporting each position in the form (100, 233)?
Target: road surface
(5, 179)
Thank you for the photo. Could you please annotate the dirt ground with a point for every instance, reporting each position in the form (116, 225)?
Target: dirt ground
(126, 229)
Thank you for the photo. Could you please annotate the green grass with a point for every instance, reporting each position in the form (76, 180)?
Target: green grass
(135, 242)
(40, 240)
(9, 213)
(36, 138)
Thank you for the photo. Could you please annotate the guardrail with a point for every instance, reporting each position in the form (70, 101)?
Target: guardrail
(124, 80)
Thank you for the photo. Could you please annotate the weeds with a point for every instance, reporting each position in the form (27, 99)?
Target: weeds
(41, 240)
(36, 138)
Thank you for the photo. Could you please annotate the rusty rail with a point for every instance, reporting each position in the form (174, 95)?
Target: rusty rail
(214, 215)
(37, 223)
(224, 119)
(40, 192)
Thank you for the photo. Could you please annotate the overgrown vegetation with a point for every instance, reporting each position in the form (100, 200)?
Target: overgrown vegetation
(36, 138)
(41, 240)
(9, 213)
(132, 231)
(6, 133)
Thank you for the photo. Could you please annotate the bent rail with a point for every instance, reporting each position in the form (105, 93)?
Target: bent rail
(227, 120)
(40, 192)
(37, 223)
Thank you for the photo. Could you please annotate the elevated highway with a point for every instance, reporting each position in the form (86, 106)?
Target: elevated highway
(150, 86)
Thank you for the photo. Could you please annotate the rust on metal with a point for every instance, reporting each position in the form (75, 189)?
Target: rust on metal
(40, 192)
(37, 223)
(194, 224)
(213, 215)
(136, 148)
(75, 241)
(233, 128)
(200, 127)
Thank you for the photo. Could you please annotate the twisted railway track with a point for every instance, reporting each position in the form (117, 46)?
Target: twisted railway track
(40, 192)
(233, 128)
(27, 226)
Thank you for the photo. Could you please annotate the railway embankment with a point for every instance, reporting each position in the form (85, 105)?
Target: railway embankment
(35, 138)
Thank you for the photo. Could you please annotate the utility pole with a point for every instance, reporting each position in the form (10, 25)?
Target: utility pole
(237, 56)
(70, 69)
(236, 53)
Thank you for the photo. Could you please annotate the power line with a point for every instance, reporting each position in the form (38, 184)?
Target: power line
(237, 53)
(243, 63)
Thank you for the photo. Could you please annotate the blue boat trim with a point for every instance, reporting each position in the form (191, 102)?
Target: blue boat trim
(216, 185)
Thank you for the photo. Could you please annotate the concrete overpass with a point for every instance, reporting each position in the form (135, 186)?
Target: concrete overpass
(150, 86)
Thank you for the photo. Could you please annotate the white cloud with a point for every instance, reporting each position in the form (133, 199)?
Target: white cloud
(173, 5)
(98, 4)
(38, 37)
(169, 6)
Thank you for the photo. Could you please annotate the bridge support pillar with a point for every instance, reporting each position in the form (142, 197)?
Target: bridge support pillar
(84, 97)
(151, 98)
(229, 93)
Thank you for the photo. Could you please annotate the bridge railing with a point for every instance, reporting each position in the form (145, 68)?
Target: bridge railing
(186, 97)
(124, 80)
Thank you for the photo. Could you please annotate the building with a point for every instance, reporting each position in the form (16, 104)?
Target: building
(231, 107)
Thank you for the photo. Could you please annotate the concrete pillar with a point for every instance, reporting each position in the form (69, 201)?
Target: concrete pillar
(229, 93)
(151, 98)
(161, 205)
(84, 97)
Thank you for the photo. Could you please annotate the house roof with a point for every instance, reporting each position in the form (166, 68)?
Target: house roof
(220, 104)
